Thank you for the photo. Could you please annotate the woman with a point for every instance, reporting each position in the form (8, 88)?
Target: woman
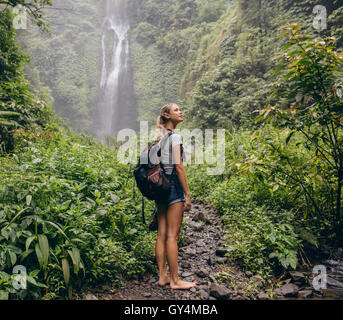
(170, 213)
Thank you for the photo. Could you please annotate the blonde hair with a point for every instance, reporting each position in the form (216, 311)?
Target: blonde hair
(161, 120)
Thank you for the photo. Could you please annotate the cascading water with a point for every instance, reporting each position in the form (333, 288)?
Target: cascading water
(117, 106)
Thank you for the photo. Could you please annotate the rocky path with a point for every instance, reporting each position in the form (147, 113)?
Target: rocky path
(201, 259)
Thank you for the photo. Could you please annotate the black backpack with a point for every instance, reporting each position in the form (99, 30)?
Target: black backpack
(150, 176)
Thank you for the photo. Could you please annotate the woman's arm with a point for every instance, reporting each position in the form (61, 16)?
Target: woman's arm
(181, 174)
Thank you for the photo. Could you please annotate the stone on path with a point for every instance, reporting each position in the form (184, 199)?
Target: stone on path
(220, 292)
(296, 275)
(305, 294)
(334, 283)
(200, 215)
(204, 295)
(187, 274)
(287, 290)
(202, 272)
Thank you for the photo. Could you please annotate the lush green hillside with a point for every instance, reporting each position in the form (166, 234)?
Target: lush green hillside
(65, 65)
(215, 59)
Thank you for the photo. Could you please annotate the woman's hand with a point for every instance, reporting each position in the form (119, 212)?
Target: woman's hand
(188, 204)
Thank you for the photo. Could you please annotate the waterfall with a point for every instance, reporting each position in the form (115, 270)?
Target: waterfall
(116, 107)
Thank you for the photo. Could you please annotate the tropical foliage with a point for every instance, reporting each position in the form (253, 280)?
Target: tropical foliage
(69, 212)
(68, 215)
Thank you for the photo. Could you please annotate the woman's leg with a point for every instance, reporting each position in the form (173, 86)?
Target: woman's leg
(160, 248)
(174, 221)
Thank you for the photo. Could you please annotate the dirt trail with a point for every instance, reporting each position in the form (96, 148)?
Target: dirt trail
(201, 259)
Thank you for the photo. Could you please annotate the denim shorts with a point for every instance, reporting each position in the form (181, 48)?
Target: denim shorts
(176, 191)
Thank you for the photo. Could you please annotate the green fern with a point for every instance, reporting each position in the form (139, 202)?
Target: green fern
(309, 237)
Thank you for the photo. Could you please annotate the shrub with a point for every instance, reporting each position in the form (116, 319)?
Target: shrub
(63, 199)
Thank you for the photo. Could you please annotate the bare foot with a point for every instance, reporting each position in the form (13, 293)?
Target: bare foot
(180, 284)
(163, 281)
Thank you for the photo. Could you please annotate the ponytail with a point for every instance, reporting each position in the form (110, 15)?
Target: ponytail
(161, 121)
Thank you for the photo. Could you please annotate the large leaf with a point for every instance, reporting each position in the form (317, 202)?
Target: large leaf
(16, 216)
(58, 228)
(12, 256)
(35, 283)
(66, 271)
(75, 256)
(44, 248)
(39, 255)
(28, 242)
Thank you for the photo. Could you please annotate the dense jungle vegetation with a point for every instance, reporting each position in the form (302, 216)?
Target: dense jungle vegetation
(69, 211)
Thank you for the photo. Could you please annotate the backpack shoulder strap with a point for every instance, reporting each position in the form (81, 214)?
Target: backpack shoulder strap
(161, 142)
